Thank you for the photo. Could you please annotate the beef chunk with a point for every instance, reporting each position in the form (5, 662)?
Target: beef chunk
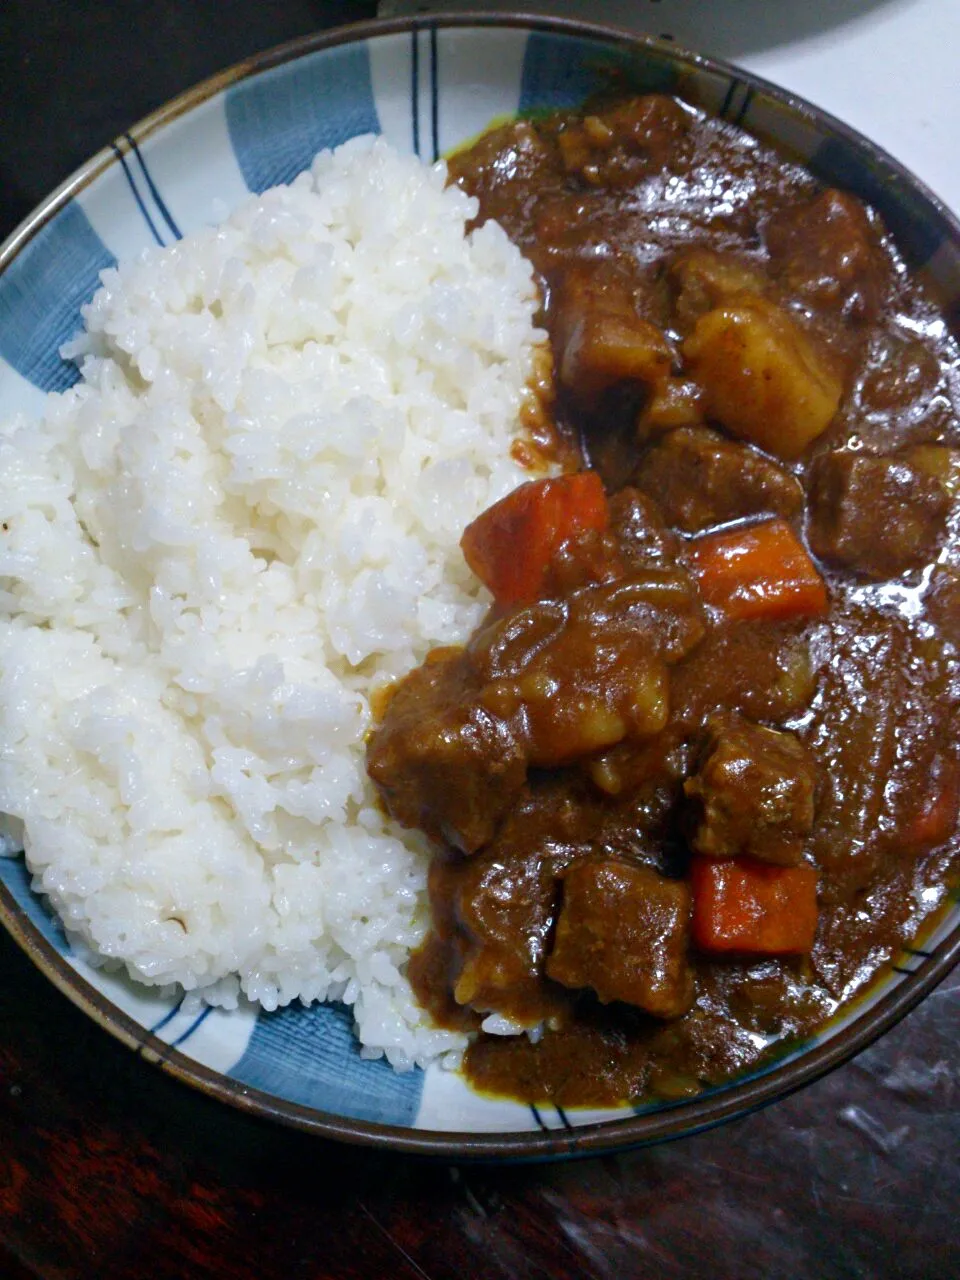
(826, 254)
(701, 479)
(505, 909)
(441, 761)
(539, 687)
(764, 377)
(623, 930)
(901, 379)
(753, 794)
(885, 712)
(643, 538)
(611, 354)
(600, 337)
(763, 669)
(878, 516)
(569, 694)
(618, 146)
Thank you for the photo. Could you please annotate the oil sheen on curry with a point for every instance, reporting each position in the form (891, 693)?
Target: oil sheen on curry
(696, 777)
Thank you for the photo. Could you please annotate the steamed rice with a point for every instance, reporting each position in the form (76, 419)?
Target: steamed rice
(242, 520)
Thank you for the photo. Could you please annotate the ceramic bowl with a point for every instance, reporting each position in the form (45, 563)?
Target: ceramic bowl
(427, 85)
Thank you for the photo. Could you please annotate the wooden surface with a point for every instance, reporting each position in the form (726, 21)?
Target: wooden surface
(110, 1169)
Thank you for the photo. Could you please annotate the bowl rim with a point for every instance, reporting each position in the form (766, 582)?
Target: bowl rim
(632, 1130)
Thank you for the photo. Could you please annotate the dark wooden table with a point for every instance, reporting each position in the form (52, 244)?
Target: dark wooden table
(110, 1169)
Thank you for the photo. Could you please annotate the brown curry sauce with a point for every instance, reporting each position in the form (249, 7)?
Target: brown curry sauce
(647, 224)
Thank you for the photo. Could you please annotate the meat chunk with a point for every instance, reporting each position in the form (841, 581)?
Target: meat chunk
(600, 338)
(505, 909)
(644, 541)
(599, 675)
(624, 931)
(885, 712)
(878, 516)
(901, 379)
(704, 278)
(753, 794)
(826, 254)
(701, 479)
(619, 145)
(764, 670)
(539, 687)
(763, 377)
(611, 355)
(441, 761)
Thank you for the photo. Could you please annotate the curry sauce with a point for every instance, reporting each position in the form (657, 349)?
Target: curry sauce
(696, 778)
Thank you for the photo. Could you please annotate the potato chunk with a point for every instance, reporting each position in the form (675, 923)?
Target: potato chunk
(762, 376)
(939, 462)
(623, 931)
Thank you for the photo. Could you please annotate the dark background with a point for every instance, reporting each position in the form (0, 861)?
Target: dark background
(110, 1169)
(73, 76)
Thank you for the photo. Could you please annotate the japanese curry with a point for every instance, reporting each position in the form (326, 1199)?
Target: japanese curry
(696, 778)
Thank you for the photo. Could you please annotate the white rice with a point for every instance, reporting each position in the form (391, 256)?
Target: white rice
(242, 520)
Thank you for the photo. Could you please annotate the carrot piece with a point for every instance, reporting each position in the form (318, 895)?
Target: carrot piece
(936, 819)
(754, 908)
(511, 544)
(758, 571)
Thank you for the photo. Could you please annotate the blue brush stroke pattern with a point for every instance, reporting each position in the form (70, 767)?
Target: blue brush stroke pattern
(195, 1025)
(434, 94)
(152, 186)
(279, 120)
(15, 876)
(559, 71)
(167, 1017)
(415, 87)
(311, 1056)
(41, 293)
(134, 191)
